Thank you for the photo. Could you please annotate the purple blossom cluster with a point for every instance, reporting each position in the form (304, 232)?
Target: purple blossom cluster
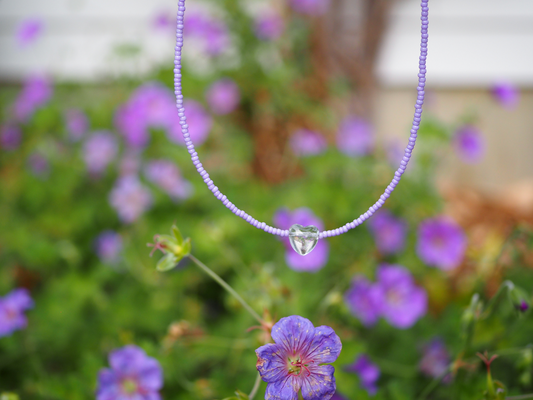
(367, 371)
(108, 246)
(441, 243)
(130, 198)
(133, 375)
(99, 150)
(355, 137)
(12, 307)
(469, 144)
(212, 33)
(305, 142)
(36, 92)
(284, 219)
(435, 359)
(394, 296)
(389, 232)
(269, 26)
(199, 121)
(167, 176)
(298, 360)
(223, 96)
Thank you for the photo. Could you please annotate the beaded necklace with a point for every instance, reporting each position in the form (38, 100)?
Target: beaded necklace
(303, 239)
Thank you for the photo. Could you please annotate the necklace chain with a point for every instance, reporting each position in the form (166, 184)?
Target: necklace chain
(261, 225)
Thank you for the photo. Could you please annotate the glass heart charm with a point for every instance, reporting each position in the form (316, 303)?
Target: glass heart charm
(303, 238)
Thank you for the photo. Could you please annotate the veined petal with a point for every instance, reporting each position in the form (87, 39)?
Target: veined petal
(320, 384)
(284, 389)
(293, 333)
(270, 362)
(325, 346)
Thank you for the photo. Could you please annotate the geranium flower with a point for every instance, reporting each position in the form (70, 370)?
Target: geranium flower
(389, 232)
(199, 121)
(368, 373)
(167, 176)
(12, 307)
(99, 150)
(469, 144)
(441, 243)
(507, 94)
(269, 26)
(297, 360)
(108, 247)
(223, 96)
(130, 198)
(355, 137)
(364, 300)
(305, 142)
(35, 93)
(435, 359)
(133, 375)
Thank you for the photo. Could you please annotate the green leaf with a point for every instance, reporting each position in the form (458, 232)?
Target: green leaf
(177, 234)
(9, 396)
(167, 262)
(186, 247)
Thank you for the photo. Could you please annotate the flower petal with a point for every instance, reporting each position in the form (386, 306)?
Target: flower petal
(285, 389)
(325, 347)
(293, 333)
(270, 362)
(320, 384)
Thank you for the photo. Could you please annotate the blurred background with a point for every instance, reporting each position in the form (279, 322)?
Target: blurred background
(291, 103)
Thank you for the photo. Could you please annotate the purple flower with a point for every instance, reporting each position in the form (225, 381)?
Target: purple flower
(355, 137)
(150, 106)
(365, 300)
(36, 92)
(469, 144)
(130, 163)
(133, 375)
(12, 307)
(368, 373)
(435, 359)
(284, 219)
(523, 306)
(167, 176)
(29, 30)
(77, 123)
(223, 96)
(441, 243)
(199, 121)
(130, 198)
(304, 142)
(99, 150)
(297, 360)
(108, 247)
(310, 7)
(403, 301)
(10, 137)
(507, 94)
(163, 21)
(269, 26)
(38, 164)
(389, 232)
(212, 33)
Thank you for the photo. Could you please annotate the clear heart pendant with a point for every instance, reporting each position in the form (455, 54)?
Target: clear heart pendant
(303, 238)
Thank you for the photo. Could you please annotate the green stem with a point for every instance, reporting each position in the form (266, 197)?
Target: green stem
(255, 388)
(224, 284)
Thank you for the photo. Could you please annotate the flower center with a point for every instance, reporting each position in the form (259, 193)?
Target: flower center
(129, 386)
(295, 366)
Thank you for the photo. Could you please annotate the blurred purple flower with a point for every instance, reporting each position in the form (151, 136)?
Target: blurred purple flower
(365, 300)
(167, 176)
(108, 246)
(36, 92)
(367, 371)
(284, 219)
(150, 106)
(507, 94)
(469, 144)
(435, 359)
(389, 232)
(355, 137)
(310, 7)
(404, 302)
(130, 163)
(77, 123)
(10, 137)
(130, 198)
(304, 142)
(99, 150)
(28, 31)
(163, 21)
(441, 243)
(299, 359)
(12, 307)
(223, 96)
(199, 121)
(133, 375)
(213, 33)
(38, 164)
(269, 26)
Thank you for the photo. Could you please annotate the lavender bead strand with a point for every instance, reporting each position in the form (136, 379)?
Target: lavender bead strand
(261, 225)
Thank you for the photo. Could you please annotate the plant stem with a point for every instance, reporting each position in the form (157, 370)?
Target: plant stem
(225, 285)
(255, 388)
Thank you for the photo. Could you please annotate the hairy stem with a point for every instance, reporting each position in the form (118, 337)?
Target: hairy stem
(256, 387)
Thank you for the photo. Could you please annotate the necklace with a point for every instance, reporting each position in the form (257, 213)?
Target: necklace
(303, 239)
